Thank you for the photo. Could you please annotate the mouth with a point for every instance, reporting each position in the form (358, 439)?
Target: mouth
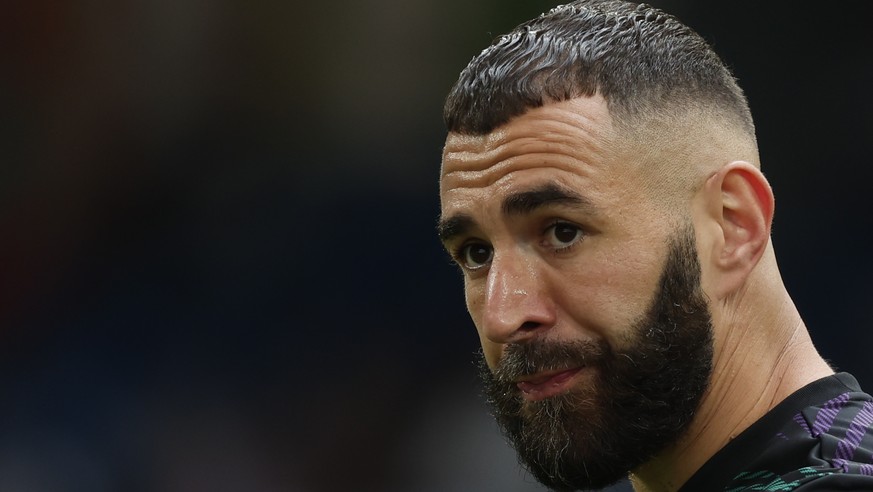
(546, 384)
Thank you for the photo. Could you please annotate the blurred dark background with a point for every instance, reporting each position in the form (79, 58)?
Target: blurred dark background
(218, 266)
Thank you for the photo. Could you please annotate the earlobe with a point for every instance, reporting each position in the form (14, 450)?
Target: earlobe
(744, 210)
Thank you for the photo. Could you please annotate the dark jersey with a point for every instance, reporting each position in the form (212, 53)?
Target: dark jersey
(818, 439)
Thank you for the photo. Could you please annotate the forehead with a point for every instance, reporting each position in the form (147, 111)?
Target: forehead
(570, 142)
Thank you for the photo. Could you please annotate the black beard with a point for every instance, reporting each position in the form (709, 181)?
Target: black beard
(640, 398)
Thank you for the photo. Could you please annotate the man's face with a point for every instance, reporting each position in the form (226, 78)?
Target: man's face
(639, 400)
(600, 345)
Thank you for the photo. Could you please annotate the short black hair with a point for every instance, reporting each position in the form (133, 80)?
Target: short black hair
(642, 60)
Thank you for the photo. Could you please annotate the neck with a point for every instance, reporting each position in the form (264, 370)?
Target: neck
(760, 359)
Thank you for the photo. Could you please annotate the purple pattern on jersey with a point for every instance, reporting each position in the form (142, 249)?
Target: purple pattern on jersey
(862, 421)
(825, 417)
(801, 421)
(840, 464)
(866, 469)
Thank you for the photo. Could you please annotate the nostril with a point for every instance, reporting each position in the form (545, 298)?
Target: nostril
(529, 326)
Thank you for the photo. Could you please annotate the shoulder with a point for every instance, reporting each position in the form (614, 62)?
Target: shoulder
(819, 439)
(826, 446)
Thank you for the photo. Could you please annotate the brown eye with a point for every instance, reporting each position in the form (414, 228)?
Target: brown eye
(476, 255)
(562, 235)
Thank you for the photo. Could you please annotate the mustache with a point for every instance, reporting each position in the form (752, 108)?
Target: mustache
(532, 357)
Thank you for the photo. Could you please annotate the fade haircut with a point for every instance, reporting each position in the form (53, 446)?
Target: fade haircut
(645, 63)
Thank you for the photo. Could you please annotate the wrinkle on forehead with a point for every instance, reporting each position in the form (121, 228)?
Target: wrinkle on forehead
(502, 170)
(557, 135)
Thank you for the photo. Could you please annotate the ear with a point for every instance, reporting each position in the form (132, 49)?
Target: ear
(740, 201)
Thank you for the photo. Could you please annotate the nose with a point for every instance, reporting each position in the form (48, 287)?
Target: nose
(517, 304)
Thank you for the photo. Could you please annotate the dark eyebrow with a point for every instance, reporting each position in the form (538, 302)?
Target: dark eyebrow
(454, 226)
(525, 202)
(519, 203)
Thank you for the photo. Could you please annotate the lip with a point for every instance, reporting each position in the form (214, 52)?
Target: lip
(546, 384)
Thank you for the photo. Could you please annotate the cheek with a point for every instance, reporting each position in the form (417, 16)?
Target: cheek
(475, 300)
(492, 351)
(609, 293)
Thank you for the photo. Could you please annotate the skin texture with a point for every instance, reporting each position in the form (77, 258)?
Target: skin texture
(634, 400)
(527, 279)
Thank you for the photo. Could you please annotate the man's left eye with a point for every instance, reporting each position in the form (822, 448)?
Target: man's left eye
(562, 235)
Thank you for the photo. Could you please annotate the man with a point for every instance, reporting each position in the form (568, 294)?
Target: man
(602, 194)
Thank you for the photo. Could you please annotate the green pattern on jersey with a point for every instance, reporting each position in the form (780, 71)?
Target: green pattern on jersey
(771, 482)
